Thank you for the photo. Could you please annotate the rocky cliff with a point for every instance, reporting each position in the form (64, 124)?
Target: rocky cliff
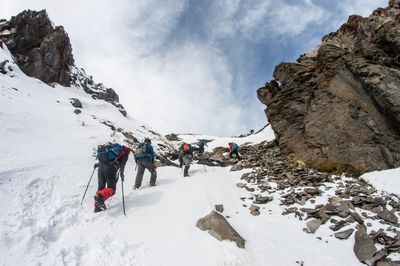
(338, 107)
(44, 52)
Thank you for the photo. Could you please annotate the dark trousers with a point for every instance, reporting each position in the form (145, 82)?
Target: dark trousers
(107, 175)
(236, 152)
(142, 166)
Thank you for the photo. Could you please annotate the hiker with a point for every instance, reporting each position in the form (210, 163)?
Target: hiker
(202, 143)
(144, 157)
(185, 157)
(198, 150)
(234, 149)
(112, 157)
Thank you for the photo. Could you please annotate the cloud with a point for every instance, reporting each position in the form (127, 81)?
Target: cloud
(188, 65)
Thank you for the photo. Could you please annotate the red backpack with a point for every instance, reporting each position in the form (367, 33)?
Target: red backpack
(186, 148)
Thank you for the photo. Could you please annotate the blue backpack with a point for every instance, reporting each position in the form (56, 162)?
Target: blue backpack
(108, 152)
(235, 147)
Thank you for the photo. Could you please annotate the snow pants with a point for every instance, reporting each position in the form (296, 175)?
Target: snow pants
(187, 160)
(107, 176)
(142, 166)
(236, 152)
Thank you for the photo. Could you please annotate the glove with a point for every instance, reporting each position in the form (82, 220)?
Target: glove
(122, 176)
(96, 165)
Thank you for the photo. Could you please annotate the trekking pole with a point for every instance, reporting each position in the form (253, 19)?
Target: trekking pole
(84, 194)
(123, 197)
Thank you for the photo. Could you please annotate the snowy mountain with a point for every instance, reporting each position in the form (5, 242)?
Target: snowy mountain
(48, 158)
(287, 214)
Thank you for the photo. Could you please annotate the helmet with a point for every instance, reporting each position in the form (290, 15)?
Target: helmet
(147, 140)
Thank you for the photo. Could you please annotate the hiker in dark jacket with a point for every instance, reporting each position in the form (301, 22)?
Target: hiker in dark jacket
(185, 157)
(107, 177)
(234, 149)
(144, 157)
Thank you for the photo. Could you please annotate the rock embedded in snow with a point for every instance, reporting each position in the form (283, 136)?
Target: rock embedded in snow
(388, 263)
(218, 227)
(344, 234)
(388, 216)
(237, 167)
(364, 247)
(76, 102)
(219, 208)
(313, 225)
(254, 210)
(241, 185)
(263, 200)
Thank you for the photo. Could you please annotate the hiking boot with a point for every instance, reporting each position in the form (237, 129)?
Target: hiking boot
(97, 209)
(100, 201)
(152, 185)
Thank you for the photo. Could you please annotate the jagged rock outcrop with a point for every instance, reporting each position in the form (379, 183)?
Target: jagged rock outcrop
(44, 52)
(40, 50)
(338, 107)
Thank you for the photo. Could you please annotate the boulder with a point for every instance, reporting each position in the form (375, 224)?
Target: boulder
(388, 216)
(313, 225)
(76, 103)
(344, 234)
(364, 247)
(219, 208)
(218, 227)
(348, 84)
(254, 210)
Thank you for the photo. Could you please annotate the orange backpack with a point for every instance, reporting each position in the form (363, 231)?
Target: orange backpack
(186, 148)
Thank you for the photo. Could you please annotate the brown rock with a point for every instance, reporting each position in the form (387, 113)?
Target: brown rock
(364, 247)
(218, 227)
(41, 51)
(316, 104)
(344, 234)
(313, 225)
(388, 216)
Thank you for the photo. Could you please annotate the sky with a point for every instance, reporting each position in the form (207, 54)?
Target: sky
(192, 66)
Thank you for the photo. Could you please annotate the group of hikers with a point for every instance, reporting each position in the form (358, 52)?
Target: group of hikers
(112, 159)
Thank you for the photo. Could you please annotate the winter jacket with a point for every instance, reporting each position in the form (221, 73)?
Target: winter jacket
(233, 147)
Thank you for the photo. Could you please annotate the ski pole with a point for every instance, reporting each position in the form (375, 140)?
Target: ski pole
(84, 194)
(123, 197)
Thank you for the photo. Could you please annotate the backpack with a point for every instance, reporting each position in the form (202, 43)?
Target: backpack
(186, 148)
(235, 147)
(109, 152)
(141, 151)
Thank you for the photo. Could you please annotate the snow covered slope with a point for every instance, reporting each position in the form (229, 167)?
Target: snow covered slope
(47, 159)
(267, 134)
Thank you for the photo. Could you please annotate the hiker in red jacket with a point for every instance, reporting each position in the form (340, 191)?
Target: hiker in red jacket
(234, 149)
(185, 157)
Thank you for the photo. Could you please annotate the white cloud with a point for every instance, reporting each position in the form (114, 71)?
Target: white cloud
(186, 85)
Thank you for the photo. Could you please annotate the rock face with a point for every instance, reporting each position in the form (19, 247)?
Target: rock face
(338, 107)
(44, 52)
(218, 227)
(41, 51)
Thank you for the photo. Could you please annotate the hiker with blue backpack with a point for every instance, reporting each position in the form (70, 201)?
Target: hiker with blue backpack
(144, 157)
(234, 149)
(112, 157)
